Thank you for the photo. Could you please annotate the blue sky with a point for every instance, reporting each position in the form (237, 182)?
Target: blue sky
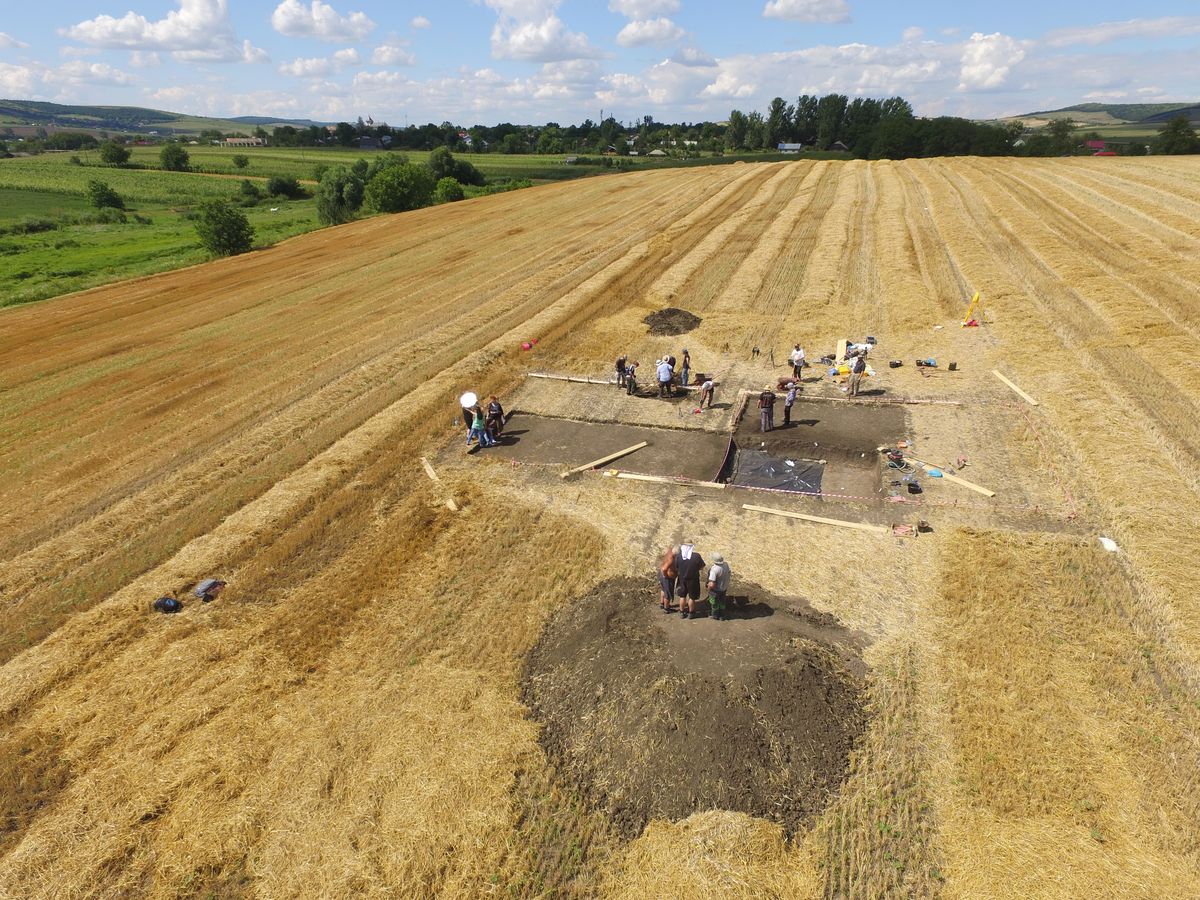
(487, 61)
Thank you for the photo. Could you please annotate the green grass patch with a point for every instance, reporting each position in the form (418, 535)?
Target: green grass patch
(16, 203)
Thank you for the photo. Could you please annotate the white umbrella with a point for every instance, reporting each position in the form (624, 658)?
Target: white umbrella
(468, 400)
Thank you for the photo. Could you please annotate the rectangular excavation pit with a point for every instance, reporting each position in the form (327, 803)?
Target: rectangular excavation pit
(845, 435)
(546, 440)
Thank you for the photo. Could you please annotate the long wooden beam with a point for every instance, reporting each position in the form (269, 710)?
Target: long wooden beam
(604, 459)
(661, 479)
(1020, 392)
(952, 478)
(860, 526)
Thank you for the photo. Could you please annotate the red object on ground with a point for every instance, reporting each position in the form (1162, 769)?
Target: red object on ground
(1105, 153)
(971, 323)
(525, 345)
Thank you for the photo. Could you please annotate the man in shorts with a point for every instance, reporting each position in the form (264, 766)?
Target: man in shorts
(688, 566)
(718, 586)
(666, 579)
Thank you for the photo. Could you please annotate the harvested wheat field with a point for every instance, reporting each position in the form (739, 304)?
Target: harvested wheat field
(435, 673)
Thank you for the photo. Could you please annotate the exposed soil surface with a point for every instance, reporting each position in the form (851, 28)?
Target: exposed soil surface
(671, 321)
(653, 716)
(543, 439)
(845, 435)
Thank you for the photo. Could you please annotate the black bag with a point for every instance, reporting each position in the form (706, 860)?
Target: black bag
(167, 605)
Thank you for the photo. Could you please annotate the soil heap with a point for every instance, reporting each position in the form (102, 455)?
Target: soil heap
(649, 716)
(671, 321)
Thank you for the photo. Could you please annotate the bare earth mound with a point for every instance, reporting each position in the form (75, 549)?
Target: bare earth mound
(650, 716)
(671, 321)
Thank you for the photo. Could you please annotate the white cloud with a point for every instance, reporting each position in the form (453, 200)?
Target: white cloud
(420, 22)
(649, 31)
(199, 31)
(319, 20)
(729, 86)
(392, 55)
(643, 9)
(38, 81)
(17, 81)
(531, 30)
(319, 67)
(1167, 26)
(8, 42)
(80, 72)
(71, 52)
(693, 56)
(913, 33)
(808, 10)
(144, 59)
(987, 60)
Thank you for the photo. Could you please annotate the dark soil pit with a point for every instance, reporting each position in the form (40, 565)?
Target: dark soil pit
(651, 716)
(691, 453)
(671, 321)
(845, 435)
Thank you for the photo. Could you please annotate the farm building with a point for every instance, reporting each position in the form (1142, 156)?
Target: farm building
(244, 142)
(790, 148)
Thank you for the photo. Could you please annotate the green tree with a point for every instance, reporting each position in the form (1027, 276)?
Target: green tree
(448, 191)
(1062, 136)
(249, 193)
(101, 196)
(776, 124)
(831, 110)
(224, 229)
(735, 134)
(340, 194)
(241, 160)
(114, 154)
(284, 186)
(173, 158)
(1177, 137)
(400, 188)
(443, 164)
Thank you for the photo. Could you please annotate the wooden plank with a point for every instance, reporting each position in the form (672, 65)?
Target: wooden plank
(952, 478)
(860, 526)
(575, 378)
(659, 479)
(841, 352)
(1028, 399)
(604, 459)
(433, 476)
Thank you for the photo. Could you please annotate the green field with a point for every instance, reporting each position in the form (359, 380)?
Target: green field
(72, 257)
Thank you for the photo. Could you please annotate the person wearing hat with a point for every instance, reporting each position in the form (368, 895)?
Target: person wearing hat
(688, 566)
(718, 586)
(788, 400)
(685, 369)
(664, 373)
(858, 365)
(766, 409)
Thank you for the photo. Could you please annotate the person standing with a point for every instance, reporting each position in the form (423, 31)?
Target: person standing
(494, 423)
(707, 390)
(718, 586)
(685, 371)
(478, 431)
(788, 400)
(621, 371)
(858, 365)
(688, 566)
(797, 360)
(666, 579)
(665, 374)
(766, 409)
(631, 378)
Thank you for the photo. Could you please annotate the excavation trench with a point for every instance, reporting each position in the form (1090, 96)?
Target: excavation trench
(650, 716)
(827, 448)
(545, 440)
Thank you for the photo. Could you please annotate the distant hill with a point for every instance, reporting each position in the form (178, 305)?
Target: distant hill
(1116, 113)
(56, 116)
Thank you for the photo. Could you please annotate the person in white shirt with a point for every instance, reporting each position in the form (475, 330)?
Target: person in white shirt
(665, 376)
(718, 586)
(797, 360)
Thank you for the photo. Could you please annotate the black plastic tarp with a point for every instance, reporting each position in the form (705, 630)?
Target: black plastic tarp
(757, 468)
